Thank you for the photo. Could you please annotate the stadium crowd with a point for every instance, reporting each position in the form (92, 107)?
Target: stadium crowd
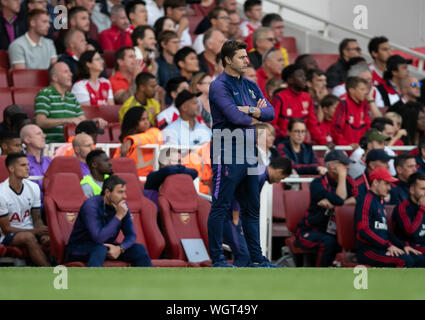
(166, 54)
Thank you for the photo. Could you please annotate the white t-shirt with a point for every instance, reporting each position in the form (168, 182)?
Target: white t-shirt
(97, 95)
(185, 39)
(18, 206)
(154, 13)
(198, 44)
(167, 116)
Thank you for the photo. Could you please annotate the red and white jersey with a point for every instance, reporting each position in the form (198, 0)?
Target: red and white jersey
(341, 93)
(248, 29)
(377, 76)
(97, 95)
(167, 116)
(18, 206)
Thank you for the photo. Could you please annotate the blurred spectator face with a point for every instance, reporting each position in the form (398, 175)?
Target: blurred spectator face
(234, 29)
(140, 16)
(388, 131)
(266, 42)
(81, 21)
(172, 46)
(378, 164)
(376, 145)
(11, 146)
(352, 50)
(63, 75)
(254, 13)
(149, 41)
(129, 61)
(168, 25)
(421, 121)
(120, 20)
(360, 92)
(298, 133)
(11, 5)
(251, 74)
(230, 5)
(329, 112)
(191, 108)
(216, 41)
(275, 62)
(78, 44)
(413, 89)
(37, 4)
(222, 22)
(367, 75)
(308, 63)
(297, 80)
(278, 28)
(408, 168)
(384, 52)
(176, 14)
(88, 4)
(204, 85)
(97, 64)
(402, 72)
(41, 24)
(318, 82)
(190, 63)
(143, 124)
(182, 86)
(269, 138)
(149, 88)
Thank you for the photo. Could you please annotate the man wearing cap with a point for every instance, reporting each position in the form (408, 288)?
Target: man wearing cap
(396, 71)
(293, 102)
(186, 130)
(317, 230)
(405, 165)
(375, 245)
(375, 159)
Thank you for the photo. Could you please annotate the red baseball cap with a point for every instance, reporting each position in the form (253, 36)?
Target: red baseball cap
(382, 174)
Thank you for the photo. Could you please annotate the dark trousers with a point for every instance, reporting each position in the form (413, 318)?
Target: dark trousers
(230, 181)
(324, 244)
(234, 237)
(377, 258)
(95, 255)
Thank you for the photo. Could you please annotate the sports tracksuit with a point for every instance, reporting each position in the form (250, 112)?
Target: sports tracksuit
(232, 173)
(304, 162)
(317, 230)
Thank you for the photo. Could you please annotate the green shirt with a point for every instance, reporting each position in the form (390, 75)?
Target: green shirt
(50, 102)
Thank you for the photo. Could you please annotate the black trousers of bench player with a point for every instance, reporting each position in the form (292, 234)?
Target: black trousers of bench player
(378, 258)
(324, 244)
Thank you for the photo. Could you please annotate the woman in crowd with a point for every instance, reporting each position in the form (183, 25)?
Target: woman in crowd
(200, 83)
(162, 24)
(413, 120)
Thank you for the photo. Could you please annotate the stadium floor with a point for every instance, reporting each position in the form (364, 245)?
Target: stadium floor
(208, 283)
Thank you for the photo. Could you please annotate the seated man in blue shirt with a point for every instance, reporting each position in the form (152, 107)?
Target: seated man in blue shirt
(405, 166)
(98, 224)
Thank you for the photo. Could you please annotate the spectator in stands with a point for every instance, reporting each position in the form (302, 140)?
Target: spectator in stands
(328, 106)
(82, 145)
(10, 142)
(306, 62)
(219, 18)
(379, 49)
(235, 32)
(273, 87)
(100, 168)
(176, 10)
(146, 85)
(187, 62)
(293, 102)
(136, 120)
(201, 84)
(405, 165)
(351, 119)
(33, 50)
(253, 11)
(126, 71)
(12, 22)
(413, 122)
(91, 89)
(266, 135)
(8, 113)
(385, 126)
(408, 217)
(171, 113)
(186, 130)
(35, 141)
(164, 24)
(272, 67)
(396, 71)
(89, 5)
(144, 43)
(99, 221)
(420, 157)
(398, 131)
(263, 40)
(137, 16)
(202, 8)
(19, 120)
(20, 216)
(275, 22)
(375, 245)
(213, 41)
(337, 73)
(300, 153)
(410, 89)
(251, 73)
(55, 105)
(169, 45)
(316, 87)
(155, 10)
(317, 230)
(108, 38)
(102, 13)
(75, 44)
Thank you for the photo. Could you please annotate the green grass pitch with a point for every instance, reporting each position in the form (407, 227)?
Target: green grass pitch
(210, 284)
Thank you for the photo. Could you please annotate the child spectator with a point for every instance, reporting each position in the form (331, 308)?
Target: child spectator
(328, 105)
(398, 132)
(252, 10)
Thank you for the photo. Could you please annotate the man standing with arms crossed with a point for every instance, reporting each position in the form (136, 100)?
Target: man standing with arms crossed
(236, 105)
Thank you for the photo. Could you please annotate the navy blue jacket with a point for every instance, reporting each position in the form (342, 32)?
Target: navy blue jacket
(304, 162)
(409, 223)
(371, 224)
(363, 184)
(399, 192)
(421, 163)
(20, 27)
(317, 218)
(166, 71)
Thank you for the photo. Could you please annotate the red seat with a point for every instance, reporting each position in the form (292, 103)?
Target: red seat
(28, 78)
(69, 131)
(115, 129)
(296, 204)
(4, 60)
(61, 164)
(124, 165)
(4, 174)
(184, 214)
(108, 56)
(4, 83)
(292, 56)
(324, 60)
(5, 100)
(290, 44)
(26, 96)
(389, 216)
(108, 113)
(279, 228)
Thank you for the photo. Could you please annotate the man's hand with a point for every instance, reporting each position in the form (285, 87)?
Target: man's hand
(45, 239)
(183, 25)
(75, 121)
(324, 203)
(393, 251)
(330, 145)
(341, 170)
(40, 231)
(261, 103)
(244, 109)
(101, 123)
(354, 146)
(125, 148)
(113, 251)
(322, 170)
(137, 69)
(121, 209)
(401, 133)
(409, 249)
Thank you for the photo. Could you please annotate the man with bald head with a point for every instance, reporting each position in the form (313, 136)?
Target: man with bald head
(55, 105)
(273, 64)
(213, 41)
(83, 144)
(75, 45)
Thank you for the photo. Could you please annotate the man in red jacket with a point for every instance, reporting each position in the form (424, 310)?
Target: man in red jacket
(351, 119)
(108, 38)
(293, 102)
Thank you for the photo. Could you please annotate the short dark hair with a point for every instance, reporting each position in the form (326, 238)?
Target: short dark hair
(8, 135)
(380, 122)
(173, 4)
(93, 155)
(344, 44)
(329, 100)
(268, 19)
(401, 159)
(281, 163)
(214, 13)
(415, 177)
(13, 157)
(293, 121)
(120, 54)
(289, 71)
(130, 6)
(182, 54)
(173, 84)
(248, 4)
(353, 82)
(75, 10)
(140, 33)
(111, 182)
(143, 78)
(301, 57)
(374, 43)
(310, 74)
(83, 70)
(229, 49)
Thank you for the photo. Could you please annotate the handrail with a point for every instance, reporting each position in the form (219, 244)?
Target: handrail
(358, 33)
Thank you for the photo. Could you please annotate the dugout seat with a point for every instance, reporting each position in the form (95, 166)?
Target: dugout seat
(290, 44)
(124, 165)
(279, 228)
(61, 164)
(4, 174)
(389, 216)
(4, 60)
(26, 96)
(28, 78)
(115, 129)
(324, 60)
(184, 215)
(4, 83)
(5, 100)
(344, 217)
(108, 113)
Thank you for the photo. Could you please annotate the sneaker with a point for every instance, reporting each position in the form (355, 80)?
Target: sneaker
(264, 264)
(222, 264)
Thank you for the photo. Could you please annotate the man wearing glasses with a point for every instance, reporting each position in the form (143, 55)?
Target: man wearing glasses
(263, 40)
(337, 73)
(410, 89)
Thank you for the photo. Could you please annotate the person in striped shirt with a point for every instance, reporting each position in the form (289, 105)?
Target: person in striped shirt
(55, 105)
